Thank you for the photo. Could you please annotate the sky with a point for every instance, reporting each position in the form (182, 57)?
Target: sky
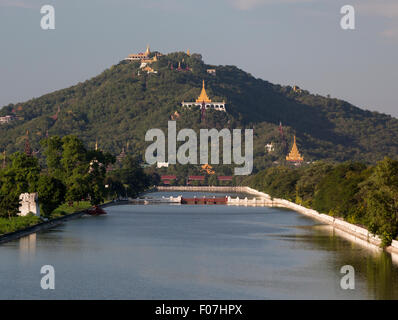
(287, 42)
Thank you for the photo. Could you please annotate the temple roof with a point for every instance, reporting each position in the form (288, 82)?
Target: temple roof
(203, 95)
(294, 154)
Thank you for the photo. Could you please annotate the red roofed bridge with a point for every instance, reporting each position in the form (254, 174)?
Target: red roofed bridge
(204, 200)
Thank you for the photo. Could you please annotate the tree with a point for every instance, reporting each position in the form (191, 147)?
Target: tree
(278, 182)
(51, 193)
(26, 170)
(115, 188)
(19, 177)
(338, 192)
(53, 152)
(132, 176)
(310, 177)
(380, 193)
(97, 174)
(9, 196)
(74, 156)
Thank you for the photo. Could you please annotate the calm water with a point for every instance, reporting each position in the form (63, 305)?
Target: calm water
(194, 252)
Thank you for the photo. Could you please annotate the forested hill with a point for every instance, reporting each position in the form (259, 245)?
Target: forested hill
(118, 106)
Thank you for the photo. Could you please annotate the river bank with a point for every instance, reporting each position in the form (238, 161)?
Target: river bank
(49, 224)
(358, 233)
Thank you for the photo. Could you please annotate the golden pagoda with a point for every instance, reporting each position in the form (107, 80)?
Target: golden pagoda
(294, 154)
(188, 53)
(148, 60)
(208, 168)
(148, 69)
(204, 99)
(203, 96)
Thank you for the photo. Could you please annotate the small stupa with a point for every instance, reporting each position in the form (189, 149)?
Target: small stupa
(294, 155)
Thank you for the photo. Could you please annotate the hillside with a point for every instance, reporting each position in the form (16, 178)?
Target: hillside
(118, 106)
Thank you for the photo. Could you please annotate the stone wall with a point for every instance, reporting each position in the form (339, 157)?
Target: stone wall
(264, 199)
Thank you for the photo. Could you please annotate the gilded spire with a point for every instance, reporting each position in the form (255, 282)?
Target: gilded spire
(294, 154)
(188, 53)
(148, 51)
(203, 95)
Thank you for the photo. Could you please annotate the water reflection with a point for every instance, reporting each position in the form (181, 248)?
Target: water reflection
(195, 252)
(27, 246)
(373, 266)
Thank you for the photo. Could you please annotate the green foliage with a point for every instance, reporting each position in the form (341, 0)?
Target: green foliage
(16, 223)
(18, 177)
(278, 182)
(380, 194)
(118, 106)
(9, 196)
(131, 176)
(26, 170)
(361, 194)
(82, 171)
(310, 177)
(53, 153)
(73, 174)
(65, 208)
(337, 192)
(51, 193)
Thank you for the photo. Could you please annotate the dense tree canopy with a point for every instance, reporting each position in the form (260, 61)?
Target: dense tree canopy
(359, 193)
(70, 173)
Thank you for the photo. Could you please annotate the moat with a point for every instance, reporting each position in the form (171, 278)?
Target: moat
(166, 251)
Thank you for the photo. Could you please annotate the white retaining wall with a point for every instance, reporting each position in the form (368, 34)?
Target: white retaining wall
(266, 200)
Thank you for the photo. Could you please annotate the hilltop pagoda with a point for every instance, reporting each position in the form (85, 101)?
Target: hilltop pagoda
(294, 155)
(139, 56)
(204, 99)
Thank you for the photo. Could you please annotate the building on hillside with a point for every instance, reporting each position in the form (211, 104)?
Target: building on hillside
(149, 61)
(167, 179)
(7, 119)
(225, 178)
(211, 71)
(196, 178)
(294, 155)
(296, 89)
(144, 56)
(269, 147)
(208, 169)
(162, 165)
(149, 70)
(175, 115)
(204, 100)
(139, 56)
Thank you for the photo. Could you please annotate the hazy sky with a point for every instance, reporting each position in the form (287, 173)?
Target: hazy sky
(283, 41)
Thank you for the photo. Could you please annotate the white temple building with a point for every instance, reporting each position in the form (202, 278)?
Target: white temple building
(204, 99)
